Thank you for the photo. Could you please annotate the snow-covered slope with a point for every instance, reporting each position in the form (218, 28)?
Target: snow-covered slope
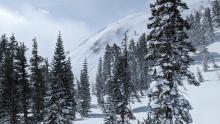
(93, 47)
(204, 99)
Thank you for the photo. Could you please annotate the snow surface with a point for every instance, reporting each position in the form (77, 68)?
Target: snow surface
(205, 100)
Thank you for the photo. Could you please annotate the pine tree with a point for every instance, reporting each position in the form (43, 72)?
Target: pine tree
(199, 74)
(169, 50)
(47, 78)
(132, 62)
(121, 92)
(84, 91)
(70, 101)
(37, 82)
(100, 84)
(216, 12)
(199, 31)
(208, 25)
(205, 58)
(78, 90)
(3, 47)
(143, 65)
(57, 112)
(107, 63)
(116, 54)
(23, 80)
(10, 83)
(121, 87)
(128, 86)
(109, 111)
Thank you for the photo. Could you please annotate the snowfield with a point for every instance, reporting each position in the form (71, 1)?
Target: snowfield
(205, 100)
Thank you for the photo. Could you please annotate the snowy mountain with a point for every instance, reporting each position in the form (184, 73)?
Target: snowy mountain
(93, 48)
(136, 24)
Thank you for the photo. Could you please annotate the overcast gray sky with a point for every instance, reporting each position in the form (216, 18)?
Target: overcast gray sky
(77, 19)
(95, 13)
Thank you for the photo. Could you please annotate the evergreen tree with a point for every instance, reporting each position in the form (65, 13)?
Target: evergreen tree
(199, 74)
(100, 84)
(143, 65)
(11, 95)
(84, 91)
(107, 63)
(199, 31)
(121, 87)
(121, 92)
(70, 101)
(78, 90)
(116, 54)
(109, 111)
(169, 50)
(205, 58)
(132, 62)
(47, 78)
(128, 86)
(208, 25)
(59, 108)
(23, 80)
(191, 32)
(38, 83)
(3, 47)
(216, 12)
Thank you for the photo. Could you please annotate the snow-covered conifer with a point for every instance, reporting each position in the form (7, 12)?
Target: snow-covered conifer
(170, 50)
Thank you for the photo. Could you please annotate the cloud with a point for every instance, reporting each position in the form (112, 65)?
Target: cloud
(30, 22)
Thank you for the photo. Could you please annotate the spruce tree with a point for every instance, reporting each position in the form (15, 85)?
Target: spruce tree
(116, 54)
(121, 87)
(143, 65)
(37, 82)
(107, 63)
(47, 78)
(132, 62)
(216, 12)
(70, 101)
(58, 103)
(205, 58)
(109, 111)
(199, 75)
(192, 32)
(3, 47)
(169, 50)
(84, 91)
(11, 95)
(208, 25)
(100, 84)
(23, 80)
(121, 92)
(199, 31)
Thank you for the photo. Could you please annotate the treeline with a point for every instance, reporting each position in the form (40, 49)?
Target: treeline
(42, 91)
(122, 76)
(203, 25)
